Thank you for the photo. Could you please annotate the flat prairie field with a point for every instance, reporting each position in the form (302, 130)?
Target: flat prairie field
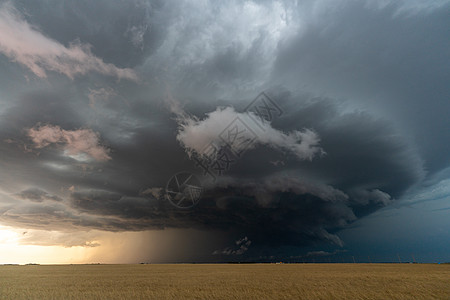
(226, 281)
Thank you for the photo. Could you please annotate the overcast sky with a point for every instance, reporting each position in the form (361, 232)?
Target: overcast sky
(328, 122)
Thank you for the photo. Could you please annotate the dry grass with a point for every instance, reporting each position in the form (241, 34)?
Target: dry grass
(258, 281)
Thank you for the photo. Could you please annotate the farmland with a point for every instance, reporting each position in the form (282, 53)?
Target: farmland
(226, 281)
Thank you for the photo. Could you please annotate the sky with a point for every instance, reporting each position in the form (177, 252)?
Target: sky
(224, 131)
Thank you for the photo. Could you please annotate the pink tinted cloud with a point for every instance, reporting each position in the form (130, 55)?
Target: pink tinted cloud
(75, 142)
(24, 44)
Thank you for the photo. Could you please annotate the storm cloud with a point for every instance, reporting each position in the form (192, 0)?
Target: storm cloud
(110, 111)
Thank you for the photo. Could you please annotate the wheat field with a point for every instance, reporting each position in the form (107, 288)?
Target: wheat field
(226, 281)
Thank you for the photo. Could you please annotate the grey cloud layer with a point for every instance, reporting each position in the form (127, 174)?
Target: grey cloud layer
(205, 63)
(290, 203)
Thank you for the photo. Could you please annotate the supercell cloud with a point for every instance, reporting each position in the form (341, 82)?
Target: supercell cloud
(102, 103)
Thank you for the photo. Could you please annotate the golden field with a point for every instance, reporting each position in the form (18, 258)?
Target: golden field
(226, 281)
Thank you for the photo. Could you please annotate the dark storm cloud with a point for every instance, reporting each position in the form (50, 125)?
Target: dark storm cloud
(366, 166)
(393, 59)
(362, 156)
(289, 204)
(114, 204)
(362, 150)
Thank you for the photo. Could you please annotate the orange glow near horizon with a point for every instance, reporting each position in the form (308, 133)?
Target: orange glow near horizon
(13, 252)
(47, 247)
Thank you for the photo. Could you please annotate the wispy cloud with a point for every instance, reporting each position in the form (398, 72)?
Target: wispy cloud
(37, 195)
(26, 45)
(325, 253)
(242, 246)
(59, 238)
(76, 142)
